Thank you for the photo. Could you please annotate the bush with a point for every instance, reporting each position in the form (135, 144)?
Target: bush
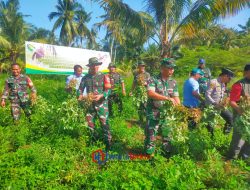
(52, 151)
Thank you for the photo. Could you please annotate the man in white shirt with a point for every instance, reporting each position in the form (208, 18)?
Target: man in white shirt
(73, 81)
(216, 96)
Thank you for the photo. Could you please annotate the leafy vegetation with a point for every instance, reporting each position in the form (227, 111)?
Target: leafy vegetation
(242, 122)
(52, 152)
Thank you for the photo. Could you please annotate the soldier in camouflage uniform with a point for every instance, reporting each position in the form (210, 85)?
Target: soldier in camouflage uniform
(116, 81)
(216, 96)
(204, 80)
(16, 91)
(98, 89)
(161, 88)
(141, 78)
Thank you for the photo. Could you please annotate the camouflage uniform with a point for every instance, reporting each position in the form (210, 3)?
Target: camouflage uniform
(166, 88)
(116, 80)
(16, 90)
(95, 84)
(204, 80)
(141, 79)
(138, 76)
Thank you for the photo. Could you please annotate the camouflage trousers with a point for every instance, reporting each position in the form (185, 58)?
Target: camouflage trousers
(142, 112)
(203, 88)
(16, 106)
(151, 130)
(99, 110)
(114, 98)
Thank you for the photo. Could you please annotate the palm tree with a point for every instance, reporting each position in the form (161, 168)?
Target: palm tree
(42, 35)
(125, 27)
(84, 34)
(13, 33)
(13, 30)
(174, 25)
(175, 20)
(243, 39)
(245, 29)
(71, 20)
(215, 36)
(65, 14)
(81, 19)
(91, 40)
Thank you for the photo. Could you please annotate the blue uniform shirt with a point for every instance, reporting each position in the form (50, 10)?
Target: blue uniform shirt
(189, 99)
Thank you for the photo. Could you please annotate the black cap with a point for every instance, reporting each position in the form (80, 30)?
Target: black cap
(227, 72)
(247, 67)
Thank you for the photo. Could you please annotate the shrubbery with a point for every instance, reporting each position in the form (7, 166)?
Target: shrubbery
(52, 151)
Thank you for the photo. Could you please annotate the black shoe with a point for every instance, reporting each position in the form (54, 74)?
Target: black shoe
(211, 130)
(108, 147)
(191, 124)
(227, 130)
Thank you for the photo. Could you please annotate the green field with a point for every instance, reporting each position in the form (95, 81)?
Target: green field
(53, 152)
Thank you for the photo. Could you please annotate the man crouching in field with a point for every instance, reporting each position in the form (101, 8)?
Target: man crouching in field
(16, 90)
(162, 88)
(98, 89)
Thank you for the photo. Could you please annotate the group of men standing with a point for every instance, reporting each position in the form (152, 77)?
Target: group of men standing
(100, 88)
(197, 90)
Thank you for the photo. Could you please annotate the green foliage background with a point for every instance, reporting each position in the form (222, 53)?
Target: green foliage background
(52, 152)
(216, 59)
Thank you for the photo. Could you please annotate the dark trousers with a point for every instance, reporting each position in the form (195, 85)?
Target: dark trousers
(114, 98)
(191, 121)
(238, 147)
(228, 117)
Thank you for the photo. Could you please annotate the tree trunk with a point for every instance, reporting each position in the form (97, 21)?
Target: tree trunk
(115, 56)
(13, 57)
(165, 45)
(111, 48)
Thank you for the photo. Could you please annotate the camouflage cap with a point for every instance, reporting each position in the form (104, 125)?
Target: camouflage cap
(93, 61)
(141, 63)
(111, 65)
(168, 62)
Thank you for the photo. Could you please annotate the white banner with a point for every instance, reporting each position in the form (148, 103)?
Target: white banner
(51, 59)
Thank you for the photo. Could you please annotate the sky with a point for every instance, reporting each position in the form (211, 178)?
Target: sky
(38, 12)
